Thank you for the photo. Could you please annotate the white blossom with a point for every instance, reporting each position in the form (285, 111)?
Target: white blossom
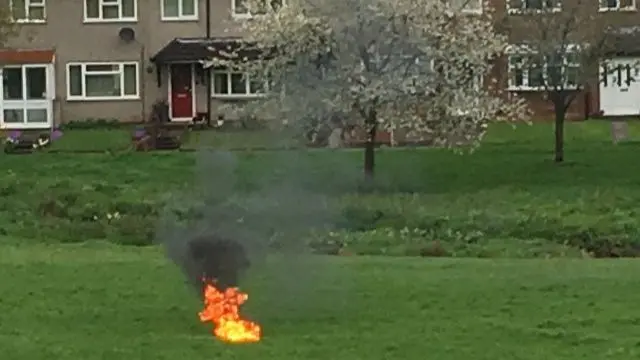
(419, 65)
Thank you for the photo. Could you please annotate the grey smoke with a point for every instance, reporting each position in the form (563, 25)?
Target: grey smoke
(274, 212)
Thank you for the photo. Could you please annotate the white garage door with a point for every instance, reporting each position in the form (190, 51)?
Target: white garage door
(620, 87)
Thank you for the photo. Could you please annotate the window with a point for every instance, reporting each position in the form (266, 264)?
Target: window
(235, 84)
(519, 6)
(179, 10)
(529, 71)
(25, 96)
(28, 10)
(240, 7)
(468, 6)
(102, 81)
(617, 5)
(110, 10)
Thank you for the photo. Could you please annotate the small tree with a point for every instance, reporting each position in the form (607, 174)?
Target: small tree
(560, 46)
(414, 65)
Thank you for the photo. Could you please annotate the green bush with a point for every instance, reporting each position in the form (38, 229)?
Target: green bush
(371, 225)
(491, 203)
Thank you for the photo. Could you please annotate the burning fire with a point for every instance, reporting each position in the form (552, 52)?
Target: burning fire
(222, 309)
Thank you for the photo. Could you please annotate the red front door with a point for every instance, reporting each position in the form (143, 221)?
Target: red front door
(181, 91)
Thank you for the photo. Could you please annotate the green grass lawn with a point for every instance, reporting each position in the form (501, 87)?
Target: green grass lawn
(538, 135)
(71, 291)
(103, 302)
(507, 199)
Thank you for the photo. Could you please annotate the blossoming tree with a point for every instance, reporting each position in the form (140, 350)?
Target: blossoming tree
(417, 65)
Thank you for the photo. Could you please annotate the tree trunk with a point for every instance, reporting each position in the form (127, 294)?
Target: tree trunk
(369, 148)
(559, 134)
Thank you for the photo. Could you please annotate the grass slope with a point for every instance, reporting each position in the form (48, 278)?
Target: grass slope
(507, 199)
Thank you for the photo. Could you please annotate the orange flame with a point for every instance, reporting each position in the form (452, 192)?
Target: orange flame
(222, 309)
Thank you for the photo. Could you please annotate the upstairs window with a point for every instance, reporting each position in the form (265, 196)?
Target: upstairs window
(617, 5)
(179, 10)
(526, 6)
(110, 10)
(27, 11)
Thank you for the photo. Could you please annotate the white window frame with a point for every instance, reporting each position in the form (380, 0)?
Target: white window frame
(120, 71)
(181, 16)
(524, 51)
(557, 7)
(604, 8)
(25, 104)
(28, 4)
(102, 4)
(241, 16)
(247, 81)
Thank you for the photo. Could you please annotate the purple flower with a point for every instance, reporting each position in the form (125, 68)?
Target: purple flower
(139, 133)
(14, 135)
(56, 134)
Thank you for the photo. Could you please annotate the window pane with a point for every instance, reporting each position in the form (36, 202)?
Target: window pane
(110, 12)
(37, 115)
(625, 4)
(36, 13)
(220, 85)
(103, 68)
(188, 7)
(130, 80)
(75, 80)
(240, 7)
(18, 9)
(128, 8)
(533, 4)
(573, 57)
(103, 85)
(572, 75)
(256, 87)
(554, 74)
(13, 116)
(238, 84)
(171, 8)
(535, 76)
(92, 8)
(517, 77)
(36, 83)
(516, 4)
(12, 83)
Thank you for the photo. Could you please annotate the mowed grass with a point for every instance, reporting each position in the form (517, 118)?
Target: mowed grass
(106, 302)
(539, 136)
(97, 300)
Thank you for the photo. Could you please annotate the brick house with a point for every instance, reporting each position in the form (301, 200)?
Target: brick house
(80, 59)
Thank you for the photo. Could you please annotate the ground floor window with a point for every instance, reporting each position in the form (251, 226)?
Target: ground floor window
(102, 81)
(235, 84)
(531, 71)
(26, 99)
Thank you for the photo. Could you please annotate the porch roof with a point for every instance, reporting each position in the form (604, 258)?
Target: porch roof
(201, 49)
(26, 56)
